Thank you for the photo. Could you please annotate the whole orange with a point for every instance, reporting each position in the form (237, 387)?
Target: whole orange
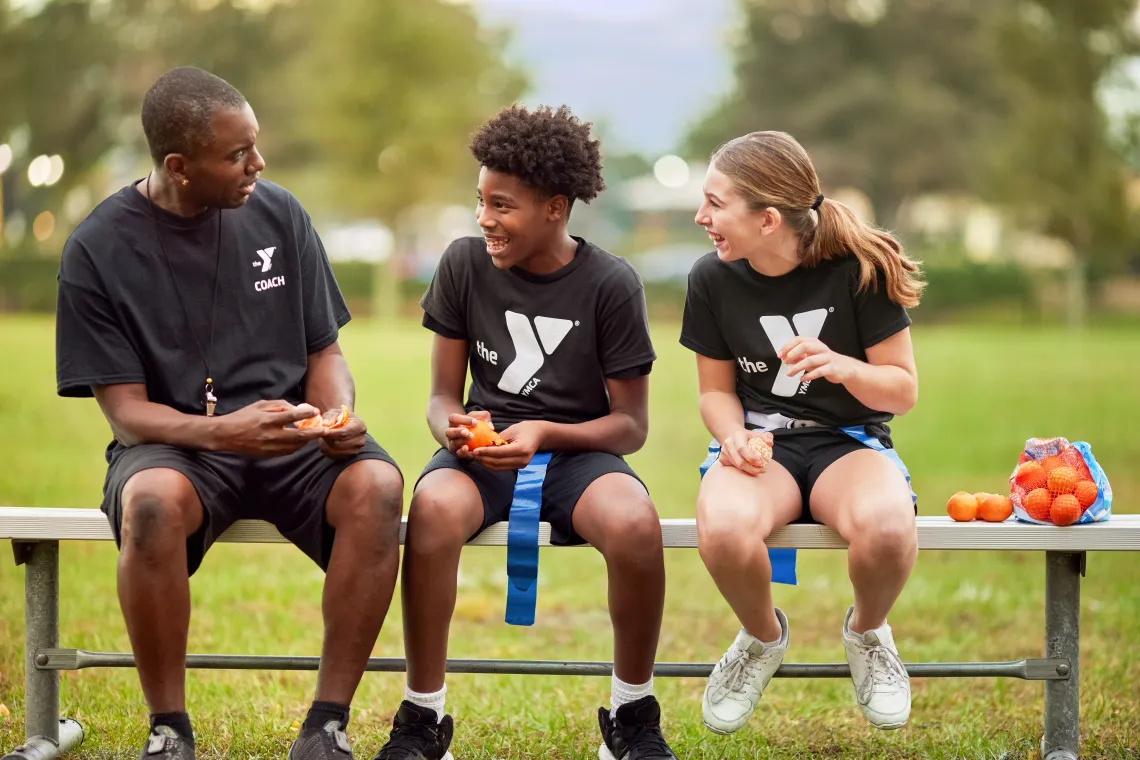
(1038, 503)
(962, 507)
(1066, 510)
(1062, 480)
(1030, 475)
(995, 508)
(1086, 493)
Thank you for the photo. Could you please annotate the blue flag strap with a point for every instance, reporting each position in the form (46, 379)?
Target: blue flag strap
(783, 560)
(859, 433)
(522, 542)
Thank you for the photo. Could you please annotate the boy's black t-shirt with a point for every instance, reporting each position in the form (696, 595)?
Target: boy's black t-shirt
(732, 312)
(119, 318)
(541, 346)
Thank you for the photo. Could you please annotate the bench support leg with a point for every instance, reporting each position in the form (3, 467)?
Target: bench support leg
(1063, 572)
(48, 736)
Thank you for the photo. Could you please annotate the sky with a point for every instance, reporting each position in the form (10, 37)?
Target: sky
(642, 70)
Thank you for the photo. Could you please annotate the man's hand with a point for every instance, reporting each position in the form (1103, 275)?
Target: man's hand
(523, 440)
(735, 451)
(264, 429)
(345, 441)
(458, 434)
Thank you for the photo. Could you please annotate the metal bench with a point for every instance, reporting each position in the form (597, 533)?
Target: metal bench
(36, 533)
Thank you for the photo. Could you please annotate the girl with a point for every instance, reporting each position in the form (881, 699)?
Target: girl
(802, 337)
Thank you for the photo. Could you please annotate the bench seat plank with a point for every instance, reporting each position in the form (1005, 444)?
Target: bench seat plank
(1120, 533)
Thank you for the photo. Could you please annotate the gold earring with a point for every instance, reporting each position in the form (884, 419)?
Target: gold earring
(185, 182)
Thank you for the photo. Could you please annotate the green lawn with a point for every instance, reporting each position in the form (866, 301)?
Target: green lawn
(983, 392)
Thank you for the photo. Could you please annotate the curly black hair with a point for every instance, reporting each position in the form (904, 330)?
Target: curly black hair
(548, 150)
(178, 109)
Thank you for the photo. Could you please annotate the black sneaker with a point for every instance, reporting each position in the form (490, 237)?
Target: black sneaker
(165, 743)
(635, 734)
(417, 736)
(326, 743)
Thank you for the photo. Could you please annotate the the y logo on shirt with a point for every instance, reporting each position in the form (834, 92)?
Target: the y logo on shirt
(519, 375)
(809, 324)
(265, 259)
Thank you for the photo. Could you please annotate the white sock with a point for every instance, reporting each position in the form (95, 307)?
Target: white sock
(432, 701)
(622, 693)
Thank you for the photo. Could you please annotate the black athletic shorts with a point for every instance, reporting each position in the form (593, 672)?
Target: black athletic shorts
(288, 491)
(568, 475)
(806, 452)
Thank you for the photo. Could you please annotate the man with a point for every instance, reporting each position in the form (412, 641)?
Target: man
(555, 332)
(197, 306)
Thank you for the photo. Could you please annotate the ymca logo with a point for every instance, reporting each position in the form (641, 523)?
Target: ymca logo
(265, 259)
(779, 331)
(530, 344)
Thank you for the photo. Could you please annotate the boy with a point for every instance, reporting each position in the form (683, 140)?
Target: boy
(555, 332)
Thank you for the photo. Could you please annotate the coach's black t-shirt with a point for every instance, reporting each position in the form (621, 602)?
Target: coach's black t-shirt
(735, 313)
(119, 319)
(541, 346)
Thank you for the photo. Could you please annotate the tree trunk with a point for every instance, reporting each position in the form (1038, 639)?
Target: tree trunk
(1076, 293)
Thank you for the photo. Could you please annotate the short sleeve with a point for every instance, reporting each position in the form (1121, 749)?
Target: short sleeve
(91, 346)
(877, 316)
(444, 299)
(434, 325)
(700, 331)
(623, 335)
(325, 311)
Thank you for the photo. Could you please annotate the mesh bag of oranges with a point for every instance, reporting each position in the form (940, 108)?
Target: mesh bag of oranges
(1059, 483)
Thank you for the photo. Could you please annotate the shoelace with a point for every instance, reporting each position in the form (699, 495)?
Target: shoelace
(737, 668)
(883, 665)
(646, 737)
(407, 737)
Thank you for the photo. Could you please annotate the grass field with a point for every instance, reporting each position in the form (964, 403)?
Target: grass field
(983, 392)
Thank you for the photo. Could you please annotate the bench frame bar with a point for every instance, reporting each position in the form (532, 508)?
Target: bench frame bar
(49, 736)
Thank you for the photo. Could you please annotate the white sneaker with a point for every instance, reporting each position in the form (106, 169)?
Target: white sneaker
(882, 686)
(738, 680)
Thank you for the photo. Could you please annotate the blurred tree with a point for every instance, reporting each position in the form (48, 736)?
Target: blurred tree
(1058, 167)
(55, 69)
(893, 98)
(386, 94)
(368, 104)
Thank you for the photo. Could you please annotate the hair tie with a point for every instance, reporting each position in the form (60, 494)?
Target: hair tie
(818, 202)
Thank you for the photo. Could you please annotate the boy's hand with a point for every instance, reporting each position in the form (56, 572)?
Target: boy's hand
(458, 434)
(523, 440)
